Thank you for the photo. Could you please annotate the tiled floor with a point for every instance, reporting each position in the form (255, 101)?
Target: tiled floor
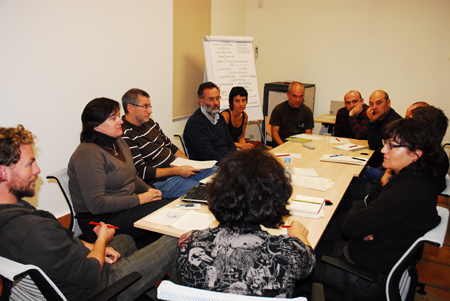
(434, 267)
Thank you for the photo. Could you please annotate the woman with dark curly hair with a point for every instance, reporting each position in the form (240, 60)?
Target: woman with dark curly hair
(249, 190)
(382, 227)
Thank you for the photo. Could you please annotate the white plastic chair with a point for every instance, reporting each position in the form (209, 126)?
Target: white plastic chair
(62, 178)
(168, 290)
(402, 279)
(29, 282)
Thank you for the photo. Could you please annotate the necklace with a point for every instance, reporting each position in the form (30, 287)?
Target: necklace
(113, 150)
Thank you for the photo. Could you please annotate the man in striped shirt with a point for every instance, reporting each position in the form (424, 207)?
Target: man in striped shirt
(352, 120)
(153, 151)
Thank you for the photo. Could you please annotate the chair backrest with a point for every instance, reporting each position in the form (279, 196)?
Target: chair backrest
(28, 281)
(180, 137)
(168, 290)
(62, 178)
(402, 279)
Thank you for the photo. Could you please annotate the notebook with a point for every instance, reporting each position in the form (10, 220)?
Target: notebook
(196, 194)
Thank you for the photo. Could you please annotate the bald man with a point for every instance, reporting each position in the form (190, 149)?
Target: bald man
(291, 117)
(413, 106)
(352, 120)
(380, 114)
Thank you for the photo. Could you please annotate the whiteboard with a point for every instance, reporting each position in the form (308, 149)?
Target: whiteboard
(230, 62)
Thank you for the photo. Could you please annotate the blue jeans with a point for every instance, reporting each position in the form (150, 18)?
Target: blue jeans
(177, 186)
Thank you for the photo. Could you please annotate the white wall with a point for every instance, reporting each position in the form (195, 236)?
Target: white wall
(400, 46)
(56, 56)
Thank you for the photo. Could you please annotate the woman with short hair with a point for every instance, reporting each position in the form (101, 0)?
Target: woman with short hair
(236, 118)
(102, 179)
(249, 190)
(382, 227)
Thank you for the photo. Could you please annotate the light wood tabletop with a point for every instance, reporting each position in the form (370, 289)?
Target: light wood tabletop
(326, 118)
(339, 173)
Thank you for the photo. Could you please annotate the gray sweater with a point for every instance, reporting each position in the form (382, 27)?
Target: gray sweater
(101, 183)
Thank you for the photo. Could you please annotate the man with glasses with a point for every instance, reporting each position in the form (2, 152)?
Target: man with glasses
(206, 133)
(153, 151)
(291, 117)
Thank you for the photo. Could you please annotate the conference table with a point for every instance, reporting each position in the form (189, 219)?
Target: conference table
(327, 120)
(339, 173)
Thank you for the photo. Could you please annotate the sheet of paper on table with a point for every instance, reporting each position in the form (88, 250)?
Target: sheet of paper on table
(207, 179)
(182, 219)
(292, 155)
(305, 172)
(322, 184)
(306, 136)
(339, 140)
(350, 147)
(299, 208)
(196, 164)
(344, 159)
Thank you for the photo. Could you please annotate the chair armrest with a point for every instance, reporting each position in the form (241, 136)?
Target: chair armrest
(117, 287)
(317, 293)
(345, 266)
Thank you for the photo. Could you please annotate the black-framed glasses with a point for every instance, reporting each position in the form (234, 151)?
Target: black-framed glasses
(218, 98)
(391, 146)
(144, 106)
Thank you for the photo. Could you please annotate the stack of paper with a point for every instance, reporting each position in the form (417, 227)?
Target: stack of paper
(181, 219)
(296, 139)
(350, 147)
(312, 182)
(307, 206)
(344, 159)
(196, 164)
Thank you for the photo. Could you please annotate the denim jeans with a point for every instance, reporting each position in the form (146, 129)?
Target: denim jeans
(177, 186)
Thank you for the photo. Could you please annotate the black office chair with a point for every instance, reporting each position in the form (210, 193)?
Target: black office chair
(29, 282)
(62, 179)
(402, 279)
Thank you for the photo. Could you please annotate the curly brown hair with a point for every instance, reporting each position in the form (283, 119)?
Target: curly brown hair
(10, 141)
(250, 188)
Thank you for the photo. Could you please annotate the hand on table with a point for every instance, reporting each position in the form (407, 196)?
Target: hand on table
(300, 231)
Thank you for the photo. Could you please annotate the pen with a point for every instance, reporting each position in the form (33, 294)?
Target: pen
(353, 146)
(186, 206)
(98, 224)
(286, 155)
(336, 155)
(286, 226)
(358, 159)
(307, 201)
(338, 140)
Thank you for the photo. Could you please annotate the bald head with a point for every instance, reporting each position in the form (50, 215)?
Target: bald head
(295, 94)
(380, 103)
(352, 99)
(413, 106)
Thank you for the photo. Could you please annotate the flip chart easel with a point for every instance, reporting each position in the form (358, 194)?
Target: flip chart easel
(230, 62)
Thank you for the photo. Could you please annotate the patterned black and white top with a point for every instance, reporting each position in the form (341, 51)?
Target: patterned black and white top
(245, 262)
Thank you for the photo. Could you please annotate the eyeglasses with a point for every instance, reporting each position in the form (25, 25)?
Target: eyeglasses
(144, 106)
(390, 146)
(218, 98)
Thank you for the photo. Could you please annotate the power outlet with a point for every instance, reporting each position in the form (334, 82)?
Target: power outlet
(251, 136)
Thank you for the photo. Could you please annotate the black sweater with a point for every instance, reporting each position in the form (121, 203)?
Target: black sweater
(396, 216)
